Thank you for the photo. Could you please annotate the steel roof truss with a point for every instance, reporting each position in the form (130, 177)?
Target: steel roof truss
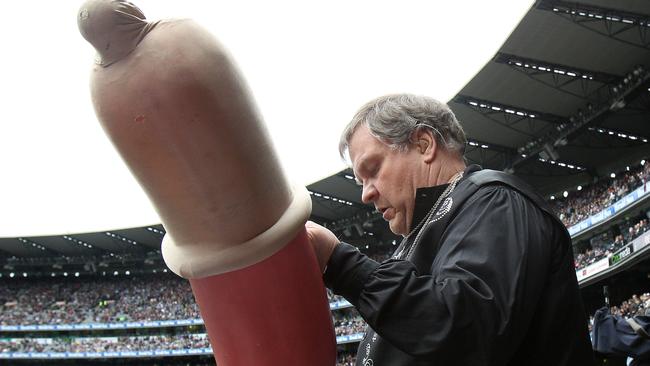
(508, 116)
(560, 135)
(615, 24)
(593, 86)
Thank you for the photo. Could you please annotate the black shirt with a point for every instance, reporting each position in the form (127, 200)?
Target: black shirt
(492, 283)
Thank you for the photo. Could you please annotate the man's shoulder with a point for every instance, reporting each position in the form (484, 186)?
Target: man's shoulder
(487, 179)
(516, 198)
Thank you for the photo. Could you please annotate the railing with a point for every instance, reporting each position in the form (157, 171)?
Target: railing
(101, 326)
(617, 207)
(122, 354)
(641, 243)
(336, 305)
(351, 338)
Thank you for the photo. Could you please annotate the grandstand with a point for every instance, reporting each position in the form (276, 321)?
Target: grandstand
(564, 104)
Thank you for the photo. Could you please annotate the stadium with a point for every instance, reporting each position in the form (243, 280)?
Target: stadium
(563, 104)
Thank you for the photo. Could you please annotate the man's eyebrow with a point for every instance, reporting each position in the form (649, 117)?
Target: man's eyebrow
(356, 178)
(361, 166)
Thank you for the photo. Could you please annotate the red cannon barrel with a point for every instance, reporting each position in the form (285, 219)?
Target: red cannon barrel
(173, 103)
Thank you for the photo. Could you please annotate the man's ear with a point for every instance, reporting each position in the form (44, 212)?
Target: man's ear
(426, 145)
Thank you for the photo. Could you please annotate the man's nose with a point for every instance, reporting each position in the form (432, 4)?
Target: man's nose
(369, 193)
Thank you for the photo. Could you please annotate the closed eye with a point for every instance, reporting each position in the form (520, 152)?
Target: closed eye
(366, 168)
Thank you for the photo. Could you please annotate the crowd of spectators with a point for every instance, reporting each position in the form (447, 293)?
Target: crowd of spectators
(149, 298)
(104, 301)
(609, 242)
(348, 322)
(637, 305)
(597, 196)
(105, 344)
(350, 326)
(345, 326)
(346, 359)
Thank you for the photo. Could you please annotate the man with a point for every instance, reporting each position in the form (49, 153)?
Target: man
(484, 274)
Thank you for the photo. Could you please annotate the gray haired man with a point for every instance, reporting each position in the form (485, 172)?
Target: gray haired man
(484, 274)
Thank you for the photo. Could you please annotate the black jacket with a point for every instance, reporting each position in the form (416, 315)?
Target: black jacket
(491, 282)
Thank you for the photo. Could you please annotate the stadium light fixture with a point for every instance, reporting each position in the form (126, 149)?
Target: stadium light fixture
(474, 143)
(76, 274)
(562, 164)
(600, 14)
(539, 66)
(120, 237)
(77, 241)
(33, 244)
(643, 162)
(331, 198)
(498, 108)
(552, 198)
(565, 194)
(24, 274)
(157, 231)
(579, 188)
(12, 275)
(613, 175)
(622, 135)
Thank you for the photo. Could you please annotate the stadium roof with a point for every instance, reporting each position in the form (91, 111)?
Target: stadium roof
(565, 100)
(137, 241)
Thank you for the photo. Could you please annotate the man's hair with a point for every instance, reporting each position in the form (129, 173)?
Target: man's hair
(393, 119)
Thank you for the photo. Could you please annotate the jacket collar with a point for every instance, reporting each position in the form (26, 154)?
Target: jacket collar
(426, 197)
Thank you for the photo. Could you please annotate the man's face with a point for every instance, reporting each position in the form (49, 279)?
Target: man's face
(389, 177)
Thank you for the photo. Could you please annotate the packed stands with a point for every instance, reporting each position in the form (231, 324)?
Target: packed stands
(346, 359)
(607, 243)
(97, 300)
(637, 305)
(594, 198)
(105, 344)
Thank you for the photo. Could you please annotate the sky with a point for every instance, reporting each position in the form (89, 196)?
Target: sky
(310, 66)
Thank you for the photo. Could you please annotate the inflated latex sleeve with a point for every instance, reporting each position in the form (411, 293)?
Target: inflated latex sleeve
(173, 103)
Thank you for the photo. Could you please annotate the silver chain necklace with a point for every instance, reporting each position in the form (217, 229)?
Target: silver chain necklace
(400, 252)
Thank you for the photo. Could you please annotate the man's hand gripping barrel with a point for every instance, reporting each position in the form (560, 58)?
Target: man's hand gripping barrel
(179, 113)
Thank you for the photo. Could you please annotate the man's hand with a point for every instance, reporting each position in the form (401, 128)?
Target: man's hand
(323, 241)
